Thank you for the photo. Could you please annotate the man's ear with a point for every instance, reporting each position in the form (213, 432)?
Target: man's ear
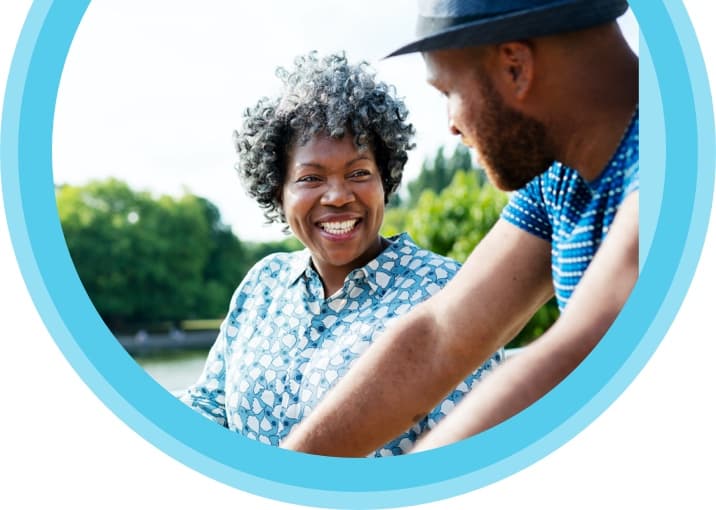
(516, 62)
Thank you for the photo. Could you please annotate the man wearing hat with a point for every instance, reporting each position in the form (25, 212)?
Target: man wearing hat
(546, 91)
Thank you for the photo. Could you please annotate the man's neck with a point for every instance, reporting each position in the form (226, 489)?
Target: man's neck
(590, 149)
(593, 105)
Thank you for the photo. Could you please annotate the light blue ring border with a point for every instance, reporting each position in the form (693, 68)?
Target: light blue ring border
(39, 245)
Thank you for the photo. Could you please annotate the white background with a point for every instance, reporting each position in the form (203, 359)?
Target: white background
(654, 447)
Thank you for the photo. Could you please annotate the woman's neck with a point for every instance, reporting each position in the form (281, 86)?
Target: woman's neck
(333, 277)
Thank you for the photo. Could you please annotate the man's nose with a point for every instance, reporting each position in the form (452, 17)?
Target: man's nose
(451, 123)
(453, 128)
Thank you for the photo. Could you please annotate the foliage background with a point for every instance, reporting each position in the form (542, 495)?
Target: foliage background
(154, 262)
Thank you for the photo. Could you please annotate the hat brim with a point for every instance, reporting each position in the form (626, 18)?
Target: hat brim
(550, 19)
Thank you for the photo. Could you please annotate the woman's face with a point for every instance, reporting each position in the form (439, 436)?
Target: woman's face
(333, 200)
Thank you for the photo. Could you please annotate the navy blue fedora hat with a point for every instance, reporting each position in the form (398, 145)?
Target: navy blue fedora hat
(444, 24)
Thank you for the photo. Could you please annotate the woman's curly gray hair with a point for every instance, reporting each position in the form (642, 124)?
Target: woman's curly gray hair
(330, 96)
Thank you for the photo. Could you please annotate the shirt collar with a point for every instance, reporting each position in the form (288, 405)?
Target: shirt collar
(299, 265)
(302, 262)
(390, 254)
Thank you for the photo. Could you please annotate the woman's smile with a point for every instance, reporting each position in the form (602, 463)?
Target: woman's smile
(339, 228)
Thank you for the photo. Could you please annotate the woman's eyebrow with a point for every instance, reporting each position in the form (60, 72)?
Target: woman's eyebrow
(322, 167)
(309, 164)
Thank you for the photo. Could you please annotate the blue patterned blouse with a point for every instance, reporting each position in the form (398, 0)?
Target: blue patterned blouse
(574, 215)
(283, 344)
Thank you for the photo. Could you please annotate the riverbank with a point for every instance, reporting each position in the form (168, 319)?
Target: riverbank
(147, 344)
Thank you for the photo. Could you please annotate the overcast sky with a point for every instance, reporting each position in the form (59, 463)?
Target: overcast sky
(152, 91)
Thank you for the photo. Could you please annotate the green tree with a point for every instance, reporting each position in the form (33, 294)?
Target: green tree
(140, 259)
(453, 222)
(228, 261)
(96, 221)
(170, 258)
(394, 221)
(437, 173)
(149, 262)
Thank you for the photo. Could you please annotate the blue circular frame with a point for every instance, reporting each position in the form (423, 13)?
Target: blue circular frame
(677, 127)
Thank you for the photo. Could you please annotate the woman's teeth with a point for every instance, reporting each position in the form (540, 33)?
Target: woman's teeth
(339, 227)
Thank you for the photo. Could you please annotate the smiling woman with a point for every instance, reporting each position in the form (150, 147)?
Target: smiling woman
(323, 158)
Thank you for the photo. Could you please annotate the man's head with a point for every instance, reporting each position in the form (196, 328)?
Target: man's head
(498, 63)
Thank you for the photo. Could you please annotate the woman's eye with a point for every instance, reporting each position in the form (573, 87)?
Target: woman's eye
(361, 173)
(308, 178)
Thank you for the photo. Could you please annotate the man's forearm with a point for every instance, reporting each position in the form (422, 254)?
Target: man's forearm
(514, 386)
(385, 395)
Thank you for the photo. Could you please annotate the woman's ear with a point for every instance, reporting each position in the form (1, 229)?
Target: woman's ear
(516, 64)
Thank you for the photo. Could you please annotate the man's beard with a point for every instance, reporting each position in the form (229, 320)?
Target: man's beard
(513, 147)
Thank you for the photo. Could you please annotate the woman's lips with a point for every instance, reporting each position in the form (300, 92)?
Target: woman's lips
(339, 229)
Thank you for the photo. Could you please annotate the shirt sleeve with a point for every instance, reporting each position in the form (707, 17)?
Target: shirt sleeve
(526, 210)
(207, 396)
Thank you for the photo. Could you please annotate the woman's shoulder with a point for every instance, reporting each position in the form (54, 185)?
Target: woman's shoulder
(280, 258)
(409, 254)
(273, 269)
(279, 265)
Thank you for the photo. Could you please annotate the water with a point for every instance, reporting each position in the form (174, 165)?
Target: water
(176, 370)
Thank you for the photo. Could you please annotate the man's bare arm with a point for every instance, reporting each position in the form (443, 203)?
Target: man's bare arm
(593, 307)
(427, 352)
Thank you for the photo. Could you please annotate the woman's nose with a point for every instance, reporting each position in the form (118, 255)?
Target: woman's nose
(338, 193)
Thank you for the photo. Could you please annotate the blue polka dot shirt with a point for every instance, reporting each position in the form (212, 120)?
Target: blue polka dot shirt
(575, 215)
(284, 344)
